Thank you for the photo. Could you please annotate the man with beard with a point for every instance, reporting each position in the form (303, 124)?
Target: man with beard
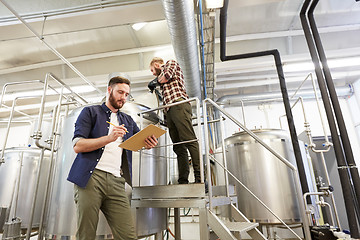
(178, 117)
(101, 168)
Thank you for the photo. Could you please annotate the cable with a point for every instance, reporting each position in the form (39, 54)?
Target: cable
(171, 232)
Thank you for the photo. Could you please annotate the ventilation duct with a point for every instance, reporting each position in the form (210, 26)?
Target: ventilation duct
(181, 22)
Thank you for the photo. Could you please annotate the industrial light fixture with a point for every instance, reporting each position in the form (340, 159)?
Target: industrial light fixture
(214, 3)
(138, 26)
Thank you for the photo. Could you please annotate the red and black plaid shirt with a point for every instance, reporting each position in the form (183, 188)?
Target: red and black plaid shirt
(175, 87)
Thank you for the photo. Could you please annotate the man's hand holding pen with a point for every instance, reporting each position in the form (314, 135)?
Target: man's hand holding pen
(117, 131)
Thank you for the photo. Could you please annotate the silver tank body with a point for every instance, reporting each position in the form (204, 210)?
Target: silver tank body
(61, 221)
(264, 174)
(9, 174)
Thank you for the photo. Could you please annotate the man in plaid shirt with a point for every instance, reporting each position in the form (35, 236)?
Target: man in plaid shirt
(179, 117)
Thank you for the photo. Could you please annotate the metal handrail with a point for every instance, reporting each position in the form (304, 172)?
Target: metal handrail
(9, 124)
(281, 158)
(198, 139)
(256, 197)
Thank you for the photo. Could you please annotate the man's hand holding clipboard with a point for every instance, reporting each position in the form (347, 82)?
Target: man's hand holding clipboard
(137, 141)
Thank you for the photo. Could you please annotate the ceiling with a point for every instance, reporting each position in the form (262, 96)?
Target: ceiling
(96, 37)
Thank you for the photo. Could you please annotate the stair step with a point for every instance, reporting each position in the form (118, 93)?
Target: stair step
(223, 200)
(240, 226)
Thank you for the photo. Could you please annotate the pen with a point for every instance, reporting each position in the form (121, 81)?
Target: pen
(115, 125)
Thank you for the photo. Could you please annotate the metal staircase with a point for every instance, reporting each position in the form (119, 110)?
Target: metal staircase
(235, 224)
(194, 196)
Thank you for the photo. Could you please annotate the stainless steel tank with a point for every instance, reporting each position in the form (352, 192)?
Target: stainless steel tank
(12, 194)
(264, 174)
(61, 220)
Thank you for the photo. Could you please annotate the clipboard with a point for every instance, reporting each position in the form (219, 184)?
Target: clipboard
(137, 141)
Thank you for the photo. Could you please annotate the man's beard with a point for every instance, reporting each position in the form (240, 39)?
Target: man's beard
(157, 71)
(114, 103)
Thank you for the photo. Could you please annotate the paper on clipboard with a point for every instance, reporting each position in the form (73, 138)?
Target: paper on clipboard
(137, 141)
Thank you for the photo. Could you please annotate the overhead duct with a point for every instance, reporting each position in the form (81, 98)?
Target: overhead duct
(179, 15)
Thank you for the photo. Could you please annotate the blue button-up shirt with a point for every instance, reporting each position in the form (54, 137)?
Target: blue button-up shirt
(91, 123)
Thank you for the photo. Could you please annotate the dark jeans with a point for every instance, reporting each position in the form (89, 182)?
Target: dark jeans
(180, 128)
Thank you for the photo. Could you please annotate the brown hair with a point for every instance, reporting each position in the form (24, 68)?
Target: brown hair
(156, 60)
(118, 79)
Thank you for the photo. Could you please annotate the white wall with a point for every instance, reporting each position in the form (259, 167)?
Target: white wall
(354, 109)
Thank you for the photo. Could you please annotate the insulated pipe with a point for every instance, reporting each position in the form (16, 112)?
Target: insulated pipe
(335, 103)
(275, 53)
(180, 19)
(342, 167)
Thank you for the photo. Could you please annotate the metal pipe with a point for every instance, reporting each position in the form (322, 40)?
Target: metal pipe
(181, 23)
(222, 130)
(50, 13)
(307, 128)
(169, 105)
(50, 176)
(67, 87)
(321, 116)
(34, 197)
(243, 111)
(18, 185)
(335, 210)
(321, 201)
(342, 166)
(201, 162)
(354, 173)
(37, 133)
(41, 38)
(14, 83)
(344, 91)
(318, 105)
(9, 124)
(207, 151)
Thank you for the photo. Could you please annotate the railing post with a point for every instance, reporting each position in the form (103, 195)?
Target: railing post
(206, 136)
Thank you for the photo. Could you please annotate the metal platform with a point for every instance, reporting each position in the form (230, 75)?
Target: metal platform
(194, 196)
